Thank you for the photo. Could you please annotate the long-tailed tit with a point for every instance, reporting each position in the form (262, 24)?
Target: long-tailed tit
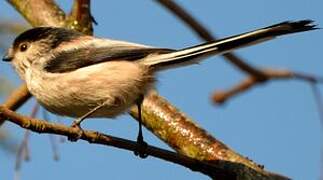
(76, 75)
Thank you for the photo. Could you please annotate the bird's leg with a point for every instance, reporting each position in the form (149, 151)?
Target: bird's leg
(77, 122)
(140, 139)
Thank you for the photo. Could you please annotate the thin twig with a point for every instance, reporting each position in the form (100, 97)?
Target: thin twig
(319, 103)
(23, 150)
(220, 97)
(52, 138)
(318, 100)
(257, 76)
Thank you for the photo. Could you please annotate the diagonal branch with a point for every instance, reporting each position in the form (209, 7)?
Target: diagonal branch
(16, 99)
(203, 33)
(256, 76)
(40, 13)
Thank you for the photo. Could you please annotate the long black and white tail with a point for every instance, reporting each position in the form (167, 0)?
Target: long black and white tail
(194, 54)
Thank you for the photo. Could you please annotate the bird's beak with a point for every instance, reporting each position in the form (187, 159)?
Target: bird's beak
(8, 55)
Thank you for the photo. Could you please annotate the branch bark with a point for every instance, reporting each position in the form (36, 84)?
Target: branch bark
(80, 18)
(40, 13)
(216, 168)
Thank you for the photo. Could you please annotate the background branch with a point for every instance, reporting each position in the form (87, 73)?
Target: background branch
(271, 74)
(40, 13)
(256, 75)
(23, 152)
(80, 18)
(206, 35)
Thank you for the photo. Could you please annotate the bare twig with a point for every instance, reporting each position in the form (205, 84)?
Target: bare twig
(23, 150)
(318, 99)
(215, 169)
(271, 74)
(52, 138)
(257, 76)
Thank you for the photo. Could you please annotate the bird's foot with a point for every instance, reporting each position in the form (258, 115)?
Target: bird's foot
(79, 131)
(141, 150)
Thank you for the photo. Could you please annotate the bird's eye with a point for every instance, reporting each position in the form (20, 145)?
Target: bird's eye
(23, 47)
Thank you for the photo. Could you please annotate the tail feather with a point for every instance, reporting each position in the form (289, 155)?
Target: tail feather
(193, 55)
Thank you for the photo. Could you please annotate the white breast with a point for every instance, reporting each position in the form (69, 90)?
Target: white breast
(119, 83)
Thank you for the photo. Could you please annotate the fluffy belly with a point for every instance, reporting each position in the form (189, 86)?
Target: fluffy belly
(74, 102)
(78, 108)
(73, 94)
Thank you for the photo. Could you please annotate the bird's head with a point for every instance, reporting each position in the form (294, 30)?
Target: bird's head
(36, 46)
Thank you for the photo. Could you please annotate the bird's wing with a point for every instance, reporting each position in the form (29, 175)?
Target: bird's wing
(70, 59)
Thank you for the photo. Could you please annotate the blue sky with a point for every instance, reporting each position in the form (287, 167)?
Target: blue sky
(276, 124)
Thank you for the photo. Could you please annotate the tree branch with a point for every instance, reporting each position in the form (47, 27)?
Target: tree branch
(257, 76)
(203, 33)
(23, 150)
(16, 99)
(215, 169)
(40, 13)
(221, 97)
(80, 18)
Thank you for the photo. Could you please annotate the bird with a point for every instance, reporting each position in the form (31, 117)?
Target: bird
(82, 76)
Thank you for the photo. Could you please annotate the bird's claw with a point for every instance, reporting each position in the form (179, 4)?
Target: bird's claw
(141, 150)
(76, 125)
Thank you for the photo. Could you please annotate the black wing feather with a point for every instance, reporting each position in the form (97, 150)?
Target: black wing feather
(71, 60)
